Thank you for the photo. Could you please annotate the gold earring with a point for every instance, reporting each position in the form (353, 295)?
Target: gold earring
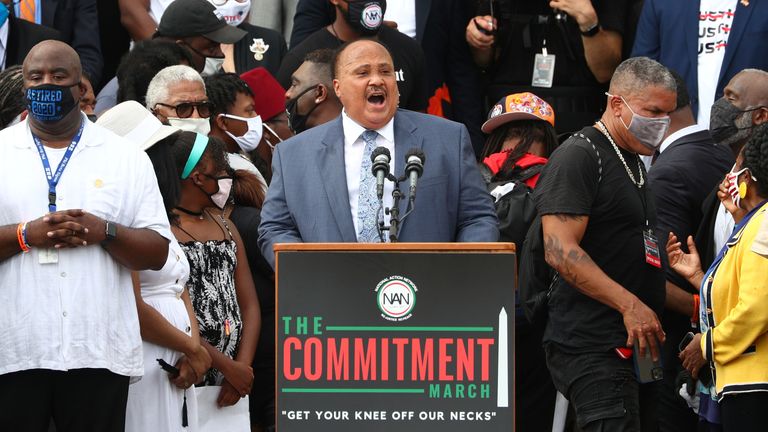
(743, 190)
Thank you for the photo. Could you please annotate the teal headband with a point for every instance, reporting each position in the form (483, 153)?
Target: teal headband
(201, 142)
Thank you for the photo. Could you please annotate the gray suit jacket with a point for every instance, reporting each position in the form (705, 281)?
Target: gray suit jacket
(308, 200)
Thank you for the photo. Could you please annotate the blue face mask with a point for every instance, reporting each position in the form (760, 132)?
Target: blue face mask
(4, 11)
(50, 102)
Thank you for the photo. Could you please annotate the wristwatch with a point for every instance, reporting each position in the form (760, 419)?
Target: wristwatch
(593, 30)
(110, 231)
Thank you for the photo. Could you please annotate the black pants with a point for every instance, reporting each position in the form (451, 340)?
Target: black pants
(79, 400)
(744, 412)
(603, 391)
(534, 392)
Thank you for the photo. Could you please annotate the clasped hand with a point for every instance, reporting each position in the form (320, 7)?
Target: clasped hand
(238, 379)
(66, 229)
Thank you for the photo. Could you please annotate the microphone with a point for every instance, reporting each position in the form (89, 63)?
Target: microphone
(414, 167)
(380, 158)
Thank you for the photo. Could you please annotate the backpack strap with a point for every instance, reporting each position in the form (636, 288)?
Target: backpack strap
(526, 173)
(586, 137)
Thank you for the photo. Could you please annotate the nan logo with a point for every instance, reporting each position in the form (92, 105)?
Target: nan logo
(372, 16)
(396, 297)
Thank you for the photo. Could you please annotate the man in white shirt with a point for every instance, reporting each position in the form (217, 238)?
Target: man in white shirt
(80, 210)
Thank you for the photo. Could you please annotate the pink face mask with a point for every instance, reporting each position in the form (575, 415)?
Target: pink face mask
(221, 197)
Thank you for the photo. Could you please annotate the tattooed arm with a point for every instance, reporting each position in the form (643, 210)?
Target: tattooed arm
(562, 236)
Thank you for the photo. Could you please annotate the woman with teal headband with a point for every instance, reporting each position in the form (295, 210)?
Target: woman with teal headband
(220, 284)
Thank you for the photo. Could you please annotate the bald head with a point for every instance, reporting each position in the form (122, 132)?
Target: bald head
(365, 83)
(352, 49)
(752, 85)
(52, 56)
(53, 63)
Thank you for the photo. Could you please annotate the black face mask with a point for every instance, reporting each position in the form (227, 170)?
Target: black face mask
(49, 103)
(728, 124)
(366, 16)
(298, 122)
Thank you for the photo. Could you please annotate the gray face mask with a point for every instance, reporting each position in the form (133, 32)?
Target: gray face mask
(649, 131)
(213, 66)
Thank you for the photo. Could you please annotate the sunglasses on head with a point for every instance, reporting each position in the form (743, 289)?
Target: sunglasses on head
(185, 109)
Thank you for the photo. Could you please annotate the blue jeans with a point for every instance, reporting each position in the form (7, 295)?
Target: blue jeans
(603, 391)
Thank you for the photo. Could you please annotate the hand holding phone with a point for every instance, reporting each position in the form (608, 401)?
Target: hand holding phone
(483, 30)
(705, 373)
(646, 369)
(685, 341)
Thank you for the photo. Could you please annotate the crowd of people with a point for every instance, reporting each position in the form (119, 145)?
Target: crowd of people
(146, 183)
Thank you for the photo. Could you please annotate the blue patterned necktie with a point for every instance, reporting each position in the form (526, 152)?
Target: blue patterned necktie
(368, 203)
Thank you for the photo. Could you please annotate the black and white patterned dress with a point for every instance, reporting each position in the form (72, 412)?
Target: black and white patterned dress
(211, 287)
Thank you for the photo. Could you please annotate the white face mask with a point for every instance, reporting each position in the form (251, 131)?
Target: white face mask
(221, 197)
(212, 66)
(269, 144)
(250, 140)
(234, 11)
(199, 125)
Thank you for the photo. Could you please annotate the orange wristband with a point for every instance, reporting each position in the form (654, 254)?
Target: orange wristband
(20, 237)
(696, 304)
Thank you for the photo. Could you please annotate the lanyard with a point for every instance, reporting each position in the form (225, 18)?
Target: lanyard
(53, 178)
(641, 192)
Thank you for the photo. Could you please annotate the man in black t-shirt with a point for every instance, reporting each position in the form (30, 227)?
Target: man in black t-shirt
(584, 37)
(350, 26)
(598, 221)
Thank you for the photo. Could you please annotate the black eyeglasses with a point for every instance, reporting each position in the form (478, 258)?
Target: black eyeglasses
(185, 109)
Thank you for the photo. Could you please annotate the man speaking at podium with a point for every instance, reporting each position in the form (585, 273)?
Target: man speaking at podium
(323, 189)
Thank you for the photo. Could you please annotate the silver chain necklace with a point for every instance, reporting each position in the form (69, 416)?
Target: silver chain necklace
(621, 157)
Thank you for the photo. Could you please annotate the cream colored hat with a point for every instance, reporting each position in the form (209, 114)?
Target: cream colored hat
(132, 121)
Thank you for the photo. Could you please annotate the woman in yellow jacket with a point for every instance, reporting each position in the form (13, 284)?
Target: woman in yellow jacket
(734, 298)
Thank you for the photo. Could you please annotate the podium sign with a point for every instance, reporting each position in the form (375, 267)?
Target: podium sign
(380, 338)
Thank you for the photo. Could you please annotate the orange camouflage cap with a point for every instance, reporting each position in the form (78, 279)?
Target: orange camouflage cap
(518, 106)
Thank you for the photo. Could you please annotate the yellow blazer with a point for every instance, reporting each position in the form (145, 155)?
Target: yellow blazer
(737, 295)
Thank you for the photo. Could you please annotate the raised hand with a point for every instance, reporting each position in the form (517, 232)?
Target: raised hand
(687, 265)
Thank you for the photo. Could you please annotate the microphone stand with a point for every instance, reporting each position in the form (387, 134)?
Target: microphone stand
(394, 212)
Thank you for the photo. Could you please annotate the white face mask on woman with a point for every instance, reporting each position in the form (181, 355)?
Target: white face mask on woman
(250, 140)
(221, 197)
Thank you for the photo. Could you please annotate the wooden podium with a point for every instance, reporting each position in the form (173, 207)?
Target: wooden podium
(412, 336)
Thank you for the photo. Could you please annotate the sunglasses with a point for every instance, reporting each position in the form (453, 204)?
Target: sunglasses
(185, 109)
